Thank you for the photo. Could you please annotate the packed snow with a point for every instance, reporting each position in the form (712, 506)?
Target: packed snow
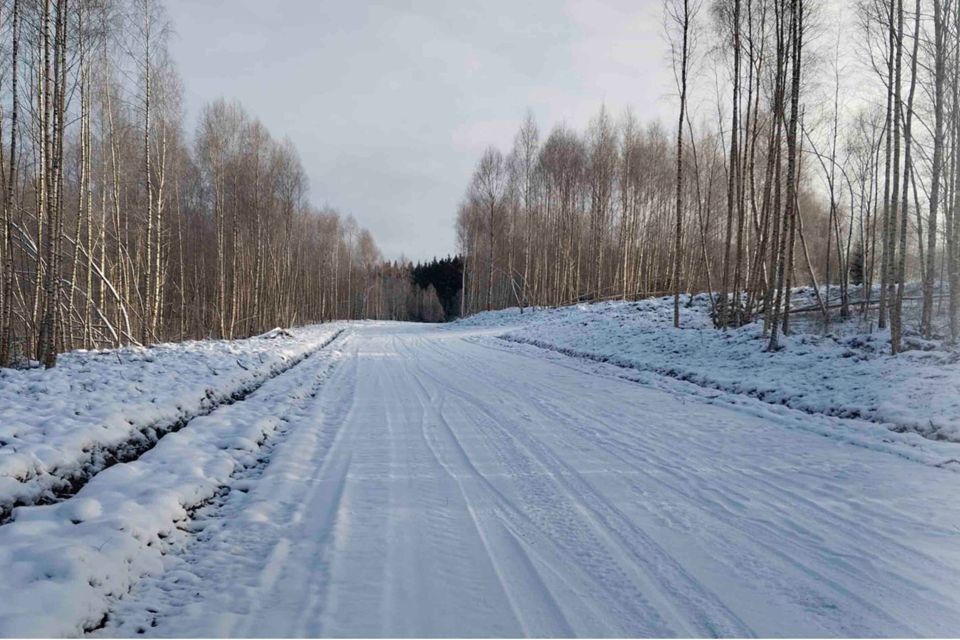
(446, 483)
(60, 426)
(438, 481)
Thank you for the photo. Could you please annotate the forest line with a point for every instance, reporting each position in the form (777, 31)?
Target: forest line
(785, 185)
(120, 227)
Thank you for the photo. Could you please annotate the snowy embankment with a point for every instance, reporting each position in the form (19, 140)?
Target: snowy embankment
(63, 564)
(59, 427)
(850, 375)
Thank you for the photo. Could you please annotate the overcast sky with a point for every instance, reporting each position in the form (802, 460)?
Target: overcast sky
(391, 103)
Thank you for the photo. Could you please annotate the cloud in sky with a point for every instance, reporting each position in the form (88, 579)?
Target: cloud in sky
(390, 103)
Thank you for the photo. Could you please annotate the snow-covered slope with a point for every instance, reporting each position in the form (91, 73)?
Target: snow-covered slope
(64, 564)
(846, 375)
(60, 426)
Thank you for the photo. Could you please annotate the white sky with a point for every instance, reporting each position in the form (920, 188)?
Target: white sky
(391, 103)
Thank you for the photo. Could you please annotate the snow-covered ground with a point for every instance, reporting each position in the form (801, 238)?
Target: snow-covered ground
(847, 373)
(58, 427)
(413, 480)
(65, 564)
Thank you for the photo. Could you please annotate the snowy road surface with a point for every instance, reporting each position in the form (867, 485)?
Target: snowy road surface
(443, 483)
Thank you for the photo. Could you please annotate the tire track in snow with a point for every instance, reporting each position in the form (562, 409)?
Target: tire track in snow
(759, 530)
(666, 586)
(156, 599)
(327, 484)
(530, 599)
(577, 504)
(805, 583)
(590, 534)
(779, 493)
(412, 563)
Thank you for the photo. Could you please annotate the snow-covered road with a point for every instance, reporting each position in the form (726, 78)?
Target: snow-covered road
(443, 483)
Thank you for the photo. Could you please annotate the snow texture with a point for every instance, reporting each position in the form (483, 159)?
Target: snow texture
(59, 427)
(423, 481)
(64, 564)
(447, 484)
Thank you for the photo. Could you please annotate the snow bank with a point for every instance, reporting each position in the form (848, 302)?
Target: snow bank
(60, 426)
(844, 374)
(63, 564)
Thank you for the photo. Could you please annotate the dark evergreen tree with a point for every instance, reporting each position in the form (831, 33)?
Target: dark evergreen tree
(445, 277)
(857, 266)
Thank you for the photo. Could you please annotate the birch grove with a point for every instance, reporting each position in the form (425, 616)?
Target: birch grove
(121, 227)
(781, 177)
